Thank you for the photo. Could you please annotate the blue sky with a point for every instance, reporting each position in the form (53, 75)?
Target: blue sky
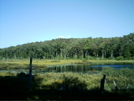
(23, 21)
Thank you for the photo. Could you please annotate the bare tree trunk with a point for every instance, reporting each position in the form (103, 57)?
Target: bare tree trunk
(111, 53)
(102, 54)
(116, 88)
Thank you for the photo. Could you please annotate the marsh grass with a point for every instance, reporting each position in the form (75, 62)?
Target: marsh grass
(93, 71)
(24, 63)
(123, 77)
(67, 85)
(52, 77)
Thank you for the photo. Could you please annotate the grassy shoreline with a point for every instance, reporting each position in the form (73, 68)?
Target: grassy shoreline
(57, 62)
(50, 84)
(24, 63)
(78, 85)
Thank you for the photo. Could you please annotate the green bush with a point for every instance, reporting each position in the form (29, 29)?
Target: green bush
(111, 58)
(132, 58)
(98, 58)
(89, 58)
(119, 58)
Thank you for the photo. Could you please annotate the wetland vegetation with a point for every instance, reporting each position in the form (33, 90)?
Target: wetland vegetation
(67, 69)
(65, 85)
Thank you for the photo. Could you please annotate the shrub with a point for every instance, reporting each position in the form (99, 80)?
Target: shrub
(89, 58)
(119, 58)
(132, 58)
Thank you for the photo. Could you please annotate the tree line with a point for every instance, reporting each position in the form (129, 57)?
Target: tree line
(74, 48)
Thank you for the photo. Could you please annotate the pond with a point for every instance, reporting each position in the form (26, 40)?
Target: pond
(86, 67)
(76, 68)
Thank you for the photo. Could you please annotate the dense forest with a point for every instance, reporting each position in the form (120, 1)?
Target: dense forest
(74, 48)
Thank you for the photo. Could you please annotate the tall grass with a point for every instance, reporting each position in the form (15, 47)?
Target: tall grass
(63, 85)
(92, 81)
(123, 77)
(76, 85)
(42, 63)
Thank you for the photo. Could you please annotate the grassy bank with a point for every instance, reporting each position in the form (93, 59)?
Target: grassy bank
(24, 63)
(63, 86)
(67, 85)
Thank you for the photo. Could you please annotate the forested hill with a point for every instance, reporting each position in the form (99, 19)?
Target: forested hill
(89, 48)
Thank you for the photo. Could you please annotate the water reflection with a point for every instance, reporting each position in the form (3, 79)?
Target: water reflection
(77, 68)
(121, 66)
(86, 67)
(72, 68)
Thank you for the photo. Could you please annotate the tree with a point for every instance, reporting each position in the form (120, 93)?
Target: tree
(74, 47)
(127, 53)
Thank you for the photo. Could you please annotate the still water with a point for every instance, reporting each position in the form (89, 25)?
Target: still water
(86, 67)
(77, 68)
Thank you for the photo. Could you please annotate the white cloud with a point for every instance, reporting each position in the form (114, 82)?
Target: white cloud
(61, 36)
(64, 36)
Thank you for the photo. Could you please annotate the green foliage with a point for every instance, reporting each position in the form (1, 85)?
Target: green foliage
(73, 48)
(108, 71)
(127, 53)
(7, 66)
(132, 58)
(93, 71)
(126, 72)
(119, 58)
(89, 57)
(123, 78)
(61, 86)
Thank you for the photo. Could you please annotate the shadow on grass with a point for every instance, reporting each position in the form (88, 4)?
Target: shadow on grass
(17, 88)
